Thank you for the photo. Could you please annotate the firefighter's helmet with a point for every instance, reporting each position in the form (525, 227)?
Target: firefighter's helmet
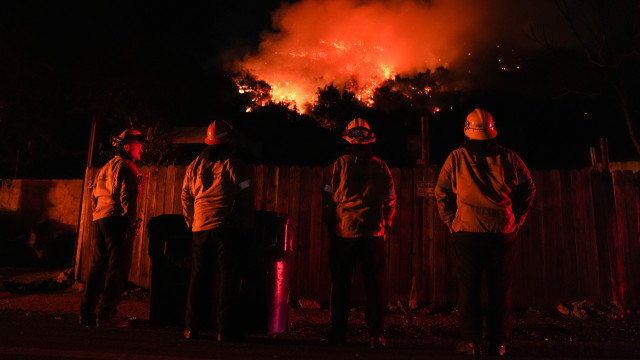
(358, 132)
(479, 125)
(129, 136)
(218, 132)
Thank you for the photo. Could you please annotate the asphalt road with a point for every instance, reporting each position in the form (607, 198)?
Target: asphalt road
(39, 335)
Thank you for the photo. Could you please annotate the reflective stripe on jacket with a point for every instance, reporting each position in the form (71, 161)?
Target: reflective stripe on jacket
(216, 193)
(484, 194)
(116, 189)
(364, 196)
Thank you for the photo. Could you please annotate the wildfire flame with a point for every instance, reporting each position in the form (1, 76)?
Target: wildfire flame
(356, 45)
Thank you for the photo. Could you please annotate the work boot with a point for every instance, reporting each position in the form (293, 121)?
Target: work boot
(190, 334)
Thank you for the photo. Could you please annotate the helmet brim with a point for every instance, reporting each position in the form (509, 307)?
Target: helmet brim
(359, 140)
(215, 141)
(480, 134)
(123, 142)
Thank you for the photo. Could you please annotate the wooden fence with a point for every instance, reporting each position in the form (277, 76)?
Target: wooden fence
(581, 240)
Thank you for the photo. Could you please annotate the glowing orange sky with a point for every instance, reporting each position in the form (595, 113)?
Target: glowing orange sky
(359, 44)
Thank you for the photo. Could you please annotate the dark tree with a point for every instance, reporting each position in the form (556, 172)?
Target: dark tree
(334, 108)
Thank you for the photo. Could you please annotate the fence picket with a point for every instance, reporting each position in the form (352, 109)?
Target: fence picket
(304, 234)
(405, 196)
(294, 213)
(567, 235)
(260, 180)
(586, 246)
(429, 232)
(177, 193)
(325, 272)
(417, 294)
(315, 233)
(632, 182)
(169, 190)
(272, 185)
(282, 203)
(625, 216)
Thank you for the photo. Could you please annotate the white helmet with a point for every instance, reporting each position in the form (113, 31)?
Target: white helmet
(479, 125)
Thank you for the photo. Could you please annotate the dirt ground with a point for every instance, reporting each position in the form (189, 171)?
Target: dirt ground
(51, 292)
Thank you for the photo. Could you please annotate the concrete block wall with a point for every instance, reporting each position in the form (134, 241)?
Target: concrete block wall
(38, 200)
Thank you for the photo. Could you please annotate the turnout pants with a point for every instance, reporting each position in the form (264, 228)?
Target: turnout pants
(493, 255)
(215, 251)
(343, 254)
(112, 247)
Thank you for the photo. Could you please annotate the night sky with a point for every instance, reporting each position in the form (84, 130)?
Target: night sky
(63, 62)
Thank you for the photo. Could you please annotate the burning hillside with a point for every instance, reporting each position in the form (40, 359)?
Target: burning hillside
(357, 45)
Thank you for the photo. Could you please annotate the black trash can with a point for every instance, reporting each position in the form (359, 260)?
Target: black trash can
(170, 252)
(265, 286)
